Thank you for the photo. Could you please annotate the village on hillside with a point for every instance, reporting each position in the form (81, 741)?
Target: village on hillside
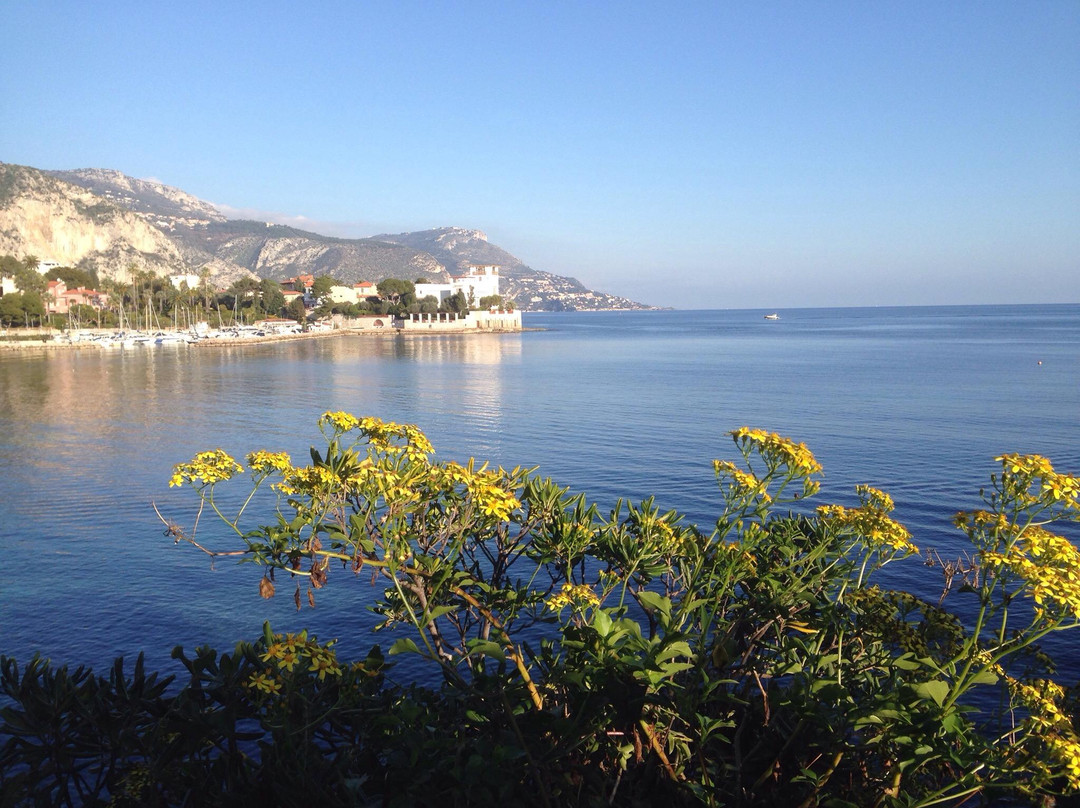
(40, 296)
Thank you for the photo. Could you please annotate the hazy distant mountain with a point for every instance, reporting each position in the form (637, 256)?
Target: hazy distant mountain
(108, 221)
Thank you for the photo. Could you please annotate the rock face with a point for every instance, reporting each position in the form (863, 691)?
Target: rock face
(55, 220)
(141, 196)
(107, 221)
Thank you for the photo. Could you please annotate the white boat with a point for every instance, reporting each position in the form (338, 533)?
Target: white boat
(772, 316)
(172, 339)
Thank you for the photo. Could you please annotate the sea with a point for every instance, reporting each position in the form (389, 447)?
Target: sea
(915, 401)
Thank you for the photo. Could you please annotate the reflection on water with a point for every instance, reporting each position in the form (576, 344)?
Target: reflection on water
(87, 442)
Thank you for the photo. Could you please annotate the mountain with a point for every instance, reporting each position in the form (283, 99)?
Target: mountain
(107, 221)
(43, 216)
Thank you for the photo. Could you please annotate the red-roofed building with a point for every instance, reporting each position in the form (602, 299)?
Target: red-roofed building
(60, 300)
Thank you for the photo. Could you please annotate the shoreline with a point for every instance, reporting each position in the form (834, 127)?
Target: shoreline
(50, 343)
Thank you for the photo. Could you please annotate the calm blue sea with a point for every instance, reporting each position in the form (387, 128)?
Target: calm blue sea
(916, 401)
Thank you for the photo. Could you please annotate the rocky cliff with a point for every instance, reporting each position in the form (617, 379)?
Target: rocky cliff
(52, 219)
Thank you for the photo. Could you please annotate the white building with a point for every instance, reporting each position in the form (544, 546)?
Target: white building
(356, 293)
(479, 281)
(192, 281)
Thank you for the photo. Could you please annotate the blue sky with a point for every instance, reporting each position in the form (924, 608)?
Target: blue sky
(687, 154)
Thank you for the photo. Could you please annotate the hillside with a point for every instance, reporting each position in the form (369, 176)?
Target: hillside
(104, 220)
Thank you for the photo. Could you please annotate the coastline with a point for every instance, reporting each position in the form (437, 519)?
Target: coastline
(55, 342)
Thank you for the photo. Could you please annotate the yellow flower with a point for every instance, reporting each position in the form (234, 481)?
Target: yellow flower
(1049, 566)
(579, 596)
(311, 480)
(262, 461)
(743, 483)
(323, 662)
(275, 651)
(206, 469)
(1031, 480)
(871, 522)
(492, 499)
(341, 421)
(265, 682)
(776, 449)
(288, 660)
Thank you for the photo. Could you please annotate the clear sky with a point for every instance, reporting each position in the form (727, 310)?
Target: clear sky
(689, 154)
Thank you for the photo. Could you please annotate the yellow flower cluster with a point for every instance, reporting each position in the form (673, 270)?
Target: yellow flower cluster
(1033, 480)
(394, 488)
(975, 521)
(486, 488)
(265, 681)
(579, 596)
(492, 499)
(743, 483)
(659, 537)
(383, 436)
(1050, 725)
(776, 449)
(289, 652)
(313, 480)
(871, 521)
(1050, 567)
(874, 498)
(264, 462)
(207, 468)
(341, 421)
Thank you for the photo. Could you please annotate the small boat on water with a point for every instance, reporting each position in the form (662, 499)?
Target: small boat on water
(772, 316)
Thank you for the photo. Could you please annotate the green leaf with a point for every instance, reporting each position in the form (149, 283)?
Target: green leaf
(906, 663)
(487, 648)
(985, 678)
(402, 646)
(655, 602)
(679, 648)
(601, 622)
(934, 689)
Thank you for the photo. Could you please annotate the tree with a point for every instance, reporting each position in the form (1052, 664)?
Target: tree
(21, 309)
(30, 280)
(429, 304)
(298, 311)
(321, 286)
(393, 289)
(271, 298)
(457, 303)
(10, 265)
(73, 277)
(241, 290)
(204, 287)
(490, 302)
(11, 309)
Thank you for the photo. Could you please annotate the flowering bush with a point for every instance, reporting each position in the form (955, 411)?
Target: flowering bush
(623, 658)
